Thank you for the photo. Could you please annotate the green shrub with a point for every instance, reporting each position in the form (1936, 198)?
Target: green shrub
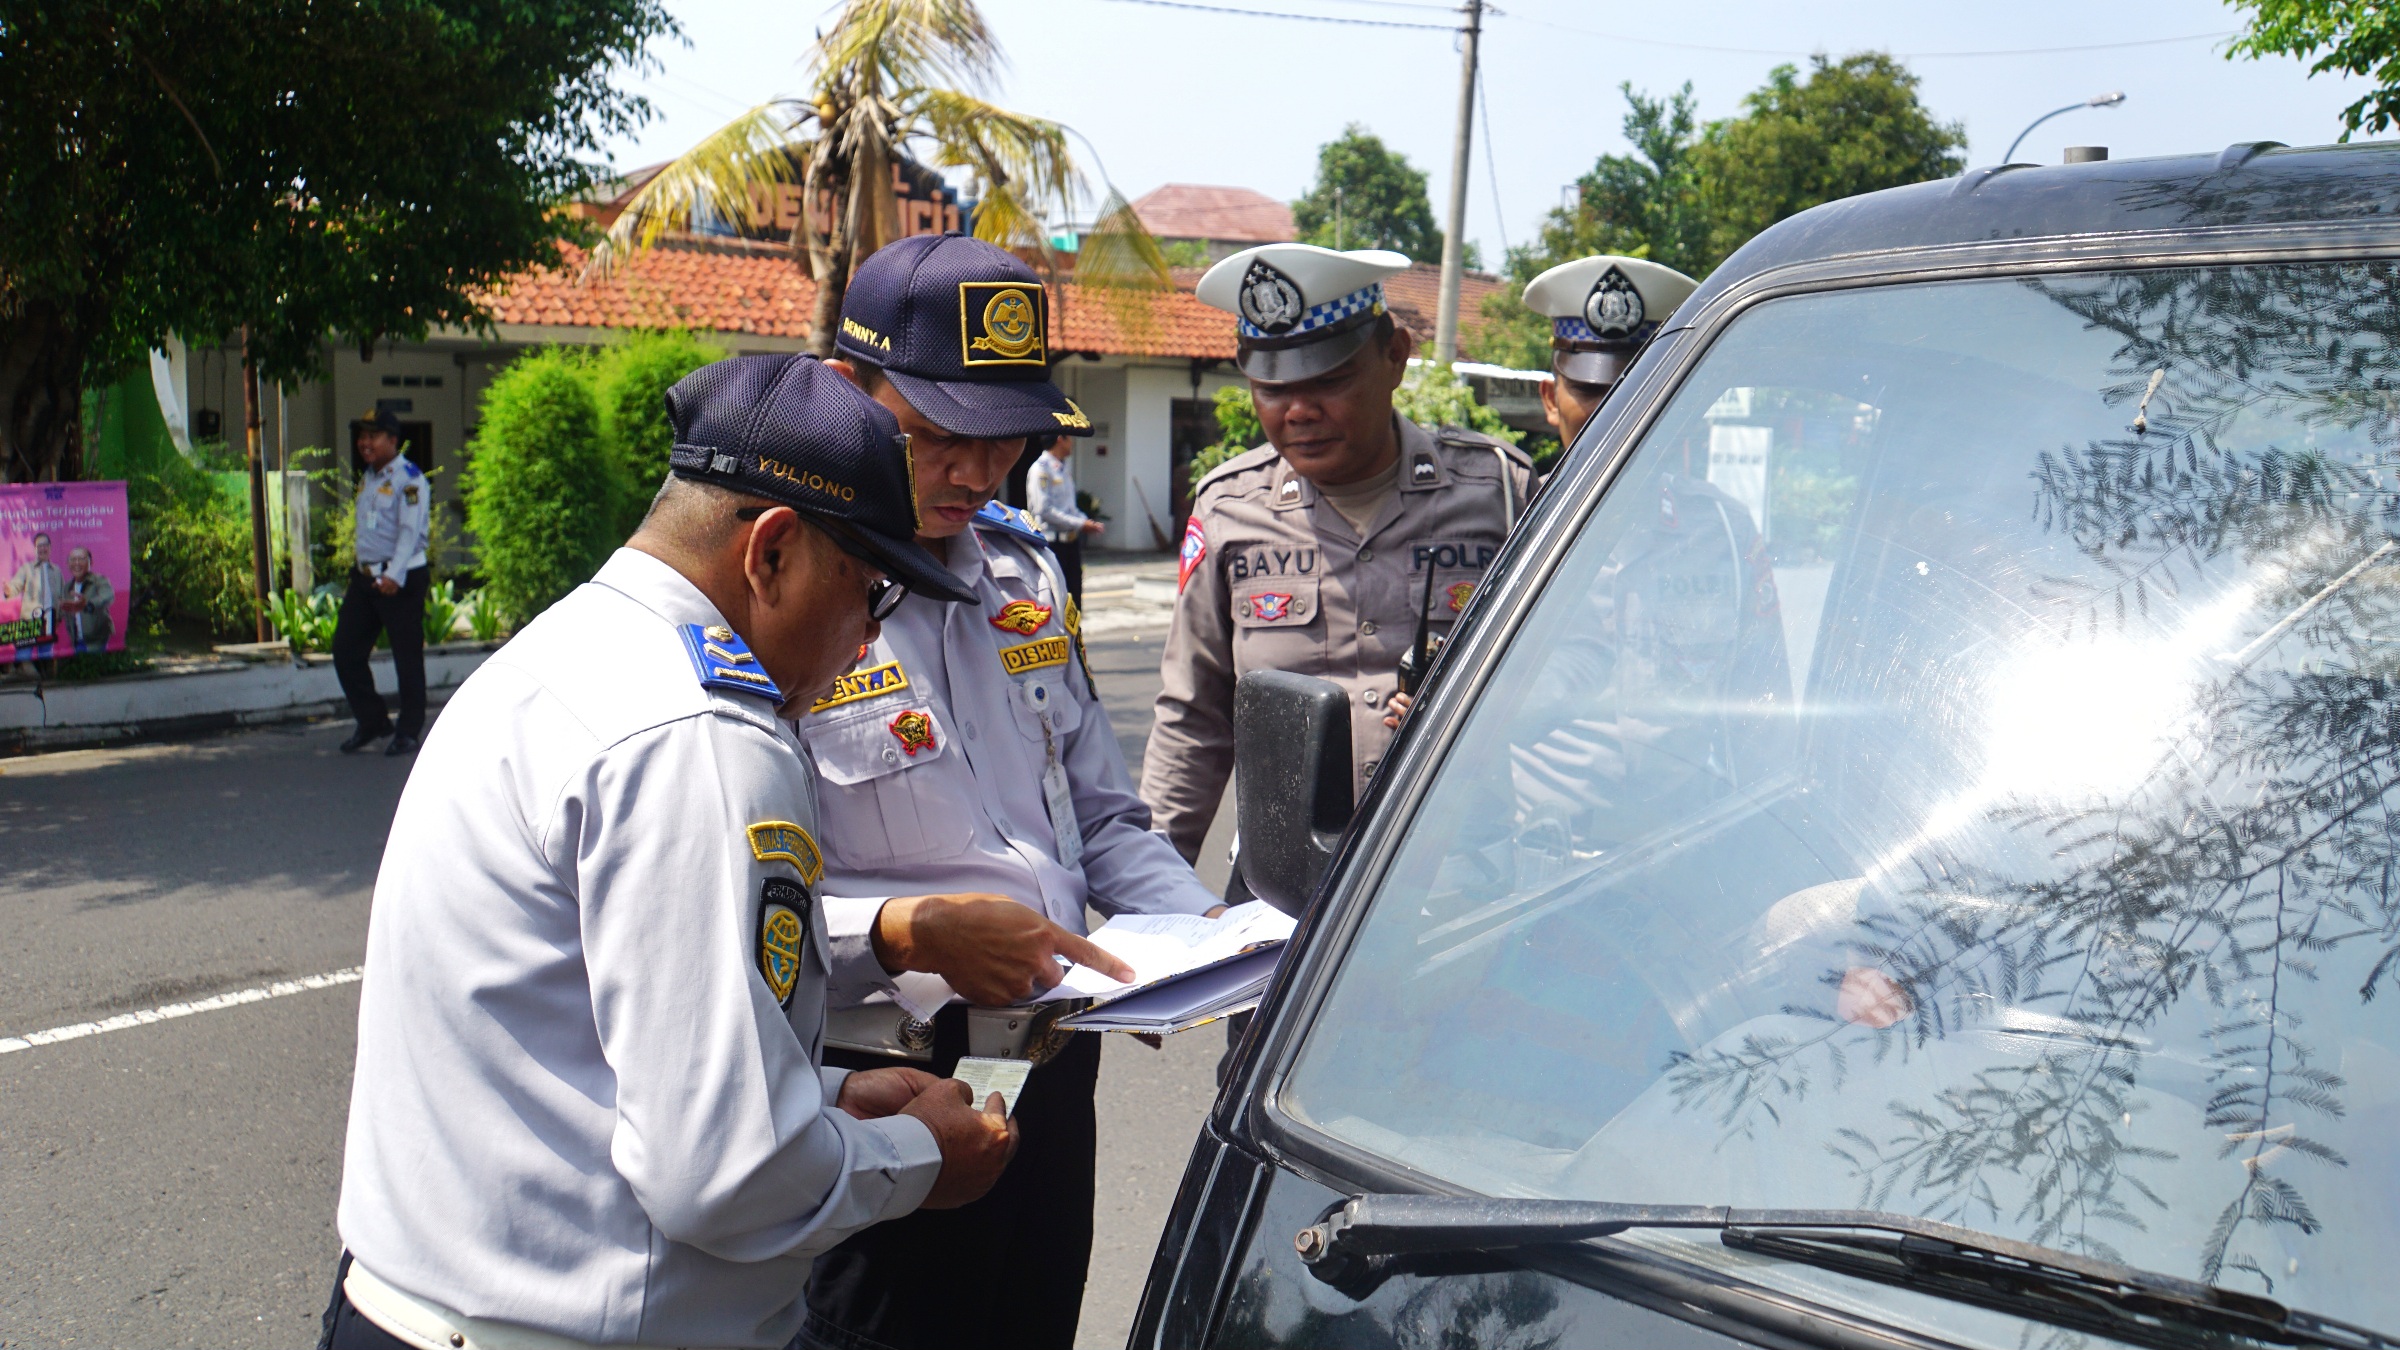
(441, 611)
(191, 550)
(484, 619)
(539, 489)
(1238, 429)
(1436, 396)
(305, 621)
(630, 378)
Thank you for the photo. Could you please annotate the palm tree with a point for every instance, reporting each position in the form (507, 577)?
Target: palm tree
(889, 74)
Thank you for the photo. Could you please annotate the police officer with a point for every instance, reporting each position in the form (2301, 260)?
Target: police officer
(1313, 553)
(386, 592)
(588, 1107)
(967, 749)
(1601, 311)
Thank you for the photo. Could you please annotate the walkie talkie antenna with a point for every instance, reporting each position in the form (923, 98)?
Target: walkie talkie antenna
(1418, 655)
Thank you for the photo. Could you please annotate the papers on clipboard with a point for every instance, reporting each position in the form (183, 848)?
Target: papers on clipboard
(1189, 970)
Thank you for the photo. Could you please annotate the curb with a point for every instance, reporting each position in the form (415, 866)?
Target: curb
(204, 697)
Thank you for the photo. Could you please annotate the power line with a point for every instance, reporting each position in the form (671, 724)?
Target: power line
(1491, 166)
(1906, 56)
(1278, 14)
(2061, 51)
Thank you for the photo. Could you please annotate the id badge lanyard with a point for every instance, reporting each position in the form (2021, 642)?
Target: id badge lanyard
(1057, 795)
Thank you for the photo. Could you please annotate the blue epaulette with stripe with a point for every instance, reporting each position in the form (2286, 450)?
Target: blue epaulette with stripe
(724, 661)
(1008, 519)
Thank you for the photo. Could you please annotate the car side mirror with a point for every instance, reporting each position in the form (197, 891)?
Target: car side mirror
(1291, 769)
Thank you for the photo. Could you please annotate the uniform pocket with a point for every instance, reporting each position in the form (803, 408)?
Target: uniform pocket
(891, 789)
(1048, 691)
(1275, 602)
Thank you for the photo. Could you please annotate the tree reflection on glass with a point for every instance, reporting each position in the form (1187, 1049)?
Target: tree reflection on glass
(2245, 512)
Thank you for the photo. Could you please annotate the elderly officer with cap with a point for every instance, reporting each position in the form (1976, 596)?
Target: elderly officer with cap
(1329, 550)
(1601, 311)
(588, 1106)
(386, 593)
(967, 749)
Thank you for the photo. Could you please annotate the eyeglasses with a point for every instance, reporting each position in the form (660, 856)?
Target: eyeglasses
(883, 596)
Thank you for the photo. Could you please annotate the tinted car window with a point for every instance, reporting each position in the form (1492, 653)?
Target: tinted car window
(1950, 773)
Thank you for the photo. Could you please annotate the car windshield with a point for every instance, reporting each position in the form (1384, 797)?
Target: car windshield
(1951, 772)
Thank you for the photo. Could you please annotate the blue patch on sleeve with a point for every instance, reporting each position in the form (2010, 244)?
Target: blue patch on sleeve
(724, 661)
(1009, 520)
(409, 467)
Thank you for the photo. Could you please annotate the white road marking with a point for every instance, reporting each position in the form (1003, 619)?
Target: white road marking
(9, 1045)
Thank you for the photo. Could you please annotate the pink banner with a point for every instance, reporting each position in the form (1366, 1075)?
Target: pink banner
(66, 561)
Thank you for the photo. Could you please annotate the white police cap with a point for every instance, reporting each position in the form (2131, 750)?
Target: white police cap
(1299, 310)
(1602, 310)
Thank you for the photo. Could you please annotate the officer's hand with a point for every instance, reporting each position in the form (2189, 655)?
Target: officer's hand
(1093, 527)
(1395, 708)
(387, 585)
(991, 949)
(976, 1145)
(874, 1093)
(1870, 998)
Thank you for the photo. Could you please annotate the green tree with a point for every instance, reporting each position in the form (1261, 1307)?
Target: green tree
(540, 529)
(630, 378)
(886, 76)
(1849, 128)
(1643, 205)
(1367, 196)
(1238, 429)
(1690, 195)
(2357, 37)
(1436, 396)
(364, 169)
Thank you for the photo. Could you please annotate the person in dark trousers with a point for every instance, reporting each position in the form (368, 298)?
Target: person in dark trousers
(386, 593)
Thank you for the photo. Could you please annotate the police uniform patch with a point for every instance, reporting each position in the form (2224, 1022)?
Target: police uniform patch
(1614, 308)
(409, 494)
(1271, 606)
(782, 841)
(1460, 593)
(914, 730)
(875, 682)
(1269, 299)
(1423, 471)
(1049, 651)
(1195, 547)
(1000, 323)
(1021, 617)
(782, 936)
(1007, 519)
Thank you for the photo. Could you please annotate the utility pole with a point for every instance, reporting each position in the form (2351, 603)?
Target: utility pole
(1445, 327)
(259, 560)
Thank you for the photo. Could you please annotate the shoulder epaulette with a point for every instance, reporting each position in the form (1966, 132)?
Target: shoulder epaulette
(409, 466)
(1008, 519)
(1461, 438)
(725, 662)
(1249, 459)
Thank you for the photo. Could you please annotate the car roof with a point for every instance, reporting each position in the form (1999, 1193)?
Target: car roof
(2250, 183)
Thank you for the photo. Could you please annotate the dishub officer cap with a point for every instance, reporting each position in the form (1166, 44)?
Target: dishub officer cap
(790, 430)
(962, 329)
(1299, 310)
(1602, 310)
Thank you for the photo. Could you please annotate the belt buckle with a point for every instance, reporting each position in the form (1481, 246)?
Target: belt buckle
(1029, 1032)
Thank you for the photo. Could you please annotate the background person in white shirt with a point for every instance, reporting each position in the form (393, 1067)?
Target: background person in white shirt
(387, 588)
(1050, 496)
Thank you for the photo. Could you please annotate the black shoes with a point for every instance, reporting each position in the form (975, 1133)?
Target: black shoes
(401, 745)
(362, 738)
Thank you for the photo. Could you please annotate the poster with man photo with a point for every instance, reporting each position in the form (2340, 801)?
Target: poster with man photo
(65, 558)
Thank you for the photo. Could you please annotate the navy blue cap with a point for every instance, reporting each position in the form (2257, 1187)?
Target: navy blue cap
(962, 328)
(790, 430)
(380, 419)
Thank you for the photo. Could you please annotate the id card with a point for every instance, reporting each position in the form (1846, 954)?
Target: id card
(986, 1076)
(1060, 798)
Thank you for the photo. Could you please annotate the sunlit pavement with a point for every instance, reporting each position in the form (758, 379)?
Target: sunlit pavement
(173, 1183)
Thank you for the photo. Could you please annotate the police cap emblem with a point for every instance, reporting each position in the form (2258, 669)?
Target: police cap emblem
(1269, 299)
(782, 935)
(1000, 323)
(1614, 308)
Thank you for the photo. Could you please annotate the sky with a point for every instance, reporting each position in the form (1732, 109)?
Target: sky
(1168, 94)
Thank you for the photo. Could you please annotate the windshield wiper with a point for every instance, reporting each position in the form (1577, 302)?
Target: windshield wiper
(1356, 1244)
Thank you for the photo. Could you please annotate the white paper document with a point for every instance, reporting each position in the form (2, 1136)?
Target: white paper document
(987, 1076)
(1161, 946)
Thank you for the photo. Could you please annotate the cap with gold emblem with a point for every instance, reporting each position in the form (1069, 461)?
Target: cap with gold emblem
(1299, 310)
(962, 329)
(1602, 310)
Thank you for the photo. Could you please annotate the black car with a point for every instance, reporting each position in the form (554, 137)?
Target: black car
(1902, 853)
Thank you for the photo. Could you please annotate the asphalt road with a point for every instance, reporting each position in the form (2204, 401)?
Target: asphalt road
(173, 1184)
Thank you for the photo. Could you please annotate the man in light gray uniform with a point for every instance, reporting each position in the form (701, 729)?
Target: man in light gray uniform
(588, 1107)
